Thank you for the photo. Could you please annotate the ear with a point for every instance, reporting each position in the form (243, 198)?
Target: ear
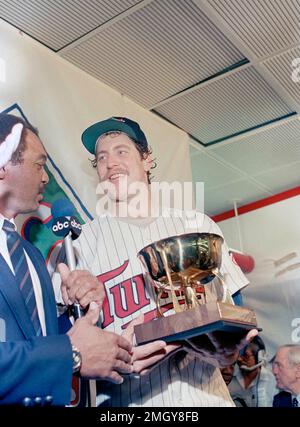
(148, 163)
(2, 173)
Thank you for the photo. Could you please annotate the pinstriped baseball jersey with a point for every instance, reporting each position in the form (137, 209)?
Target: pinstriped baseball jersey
(108, 247)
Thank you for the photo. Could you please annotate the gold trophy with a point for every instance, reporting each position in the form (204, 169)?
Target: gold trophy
(181, 266)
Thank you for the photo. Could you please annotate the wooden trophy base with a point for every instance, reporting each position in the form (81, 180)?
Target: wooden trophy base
(216, 316)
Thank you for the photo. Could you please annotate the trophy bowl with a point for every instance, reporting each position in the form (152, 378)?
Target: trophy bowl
(182, 263)
(181, 266)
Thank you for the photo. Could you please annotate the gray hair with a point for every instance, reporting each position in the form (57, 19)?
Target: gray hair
(293, 353)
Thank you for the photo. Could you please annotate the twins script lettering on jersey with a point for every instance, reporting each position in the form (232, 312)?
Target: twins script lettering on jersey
(125, 287)
(132, 304)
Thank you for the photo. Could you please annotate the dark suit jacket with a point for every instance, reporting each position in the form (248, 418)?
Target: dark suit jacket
(282, 399)
(36, 368)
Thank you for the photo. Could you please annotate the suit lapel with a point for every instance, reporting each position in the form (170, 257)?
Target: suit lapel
(10, 291)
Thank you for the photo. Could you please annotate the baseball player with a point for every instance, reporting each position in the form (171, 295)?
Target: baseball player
(164, 374)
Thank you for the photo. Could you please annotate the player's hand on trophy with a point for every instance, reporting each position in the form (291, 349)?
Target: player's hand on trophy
(80, 286)
(220, 348)
(105, 355)
(145, 357)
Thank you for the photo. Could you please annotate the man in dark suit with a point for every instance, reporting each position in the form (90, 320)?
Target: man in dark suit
(286, 369)
(282, 399)
(36, 363)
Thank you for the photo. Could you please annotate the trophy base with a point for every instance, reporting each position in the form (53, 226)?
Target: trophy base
(216, 316)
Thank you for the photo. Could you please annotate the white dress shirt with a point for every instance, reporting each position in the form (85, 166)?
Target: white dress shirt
(259, 393)
(34, 276)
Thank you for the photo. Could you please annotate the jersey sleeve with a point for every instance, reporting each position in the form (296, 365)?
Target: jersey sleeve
(233, 276)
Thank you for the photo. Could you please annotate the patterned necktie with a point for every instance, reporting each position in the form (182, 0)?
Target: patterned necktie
(22, 274)
(295, 402)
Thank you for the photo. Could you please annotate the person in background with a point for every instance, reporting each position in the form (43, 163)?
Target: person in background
(227, 373)
(252, 384)
(286, 370)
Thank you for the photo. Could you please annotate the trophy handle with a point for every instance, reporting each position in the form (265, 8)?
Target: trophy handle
(159, 292)
(176, 305)
(220, 276)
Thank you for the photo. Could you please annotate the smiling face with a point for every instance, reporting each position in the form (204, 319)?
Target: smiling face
(23, 183)
(119, 164)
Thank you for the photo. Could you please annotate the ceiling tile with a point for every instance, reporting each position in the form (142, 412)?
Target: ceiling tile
(266, 150)
(230, 105)
(156, 52)
(58, 23)
(210, 171)
(221, 199)
(264, 26)
(282, 178)
(281, 68)
(195, 151)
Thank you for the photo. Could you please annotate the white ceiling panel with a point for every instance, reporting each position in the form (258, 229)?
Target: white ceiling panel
(57, 23)
(264, 26)
(221, 199)
(157, 51)
(281, 68)
(196, 151)
(281, 178)
(264, 151)
(211, 171)
(227, 106)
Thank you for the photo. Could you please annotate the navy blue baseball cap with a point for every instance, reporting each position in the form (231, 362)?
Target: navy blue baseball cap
(114, 124)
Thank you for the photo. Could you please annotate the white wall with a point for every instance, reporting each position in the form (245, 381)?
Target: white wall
(62, 101)
(269, 234)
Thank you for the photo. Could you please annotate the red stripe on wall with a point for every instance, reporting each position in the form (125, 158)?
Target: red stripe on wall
(259, 204)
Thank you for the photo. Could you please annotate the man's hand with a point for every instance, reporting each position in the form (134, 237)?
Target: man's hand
(146, 356)
(80, 286)
(105, 355)
(220, 348)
